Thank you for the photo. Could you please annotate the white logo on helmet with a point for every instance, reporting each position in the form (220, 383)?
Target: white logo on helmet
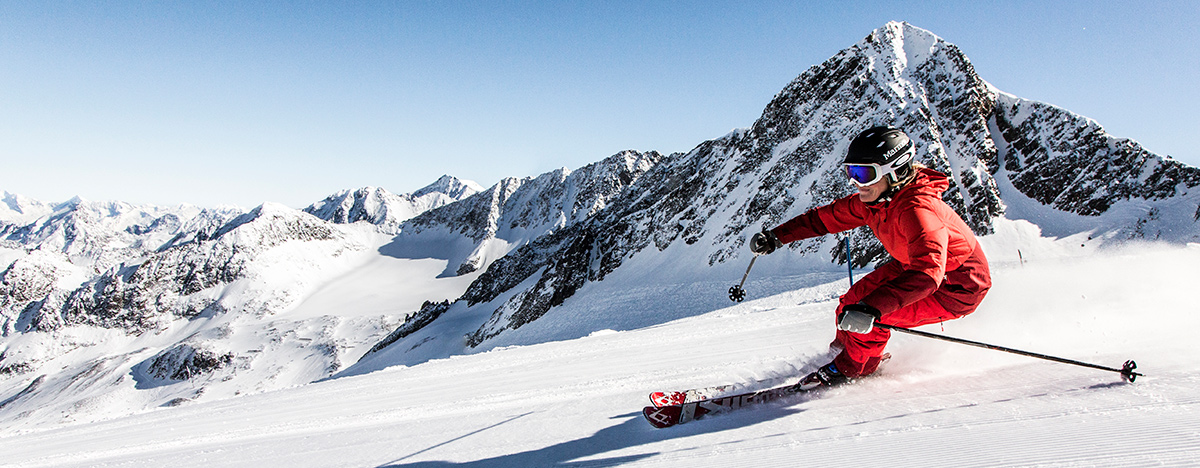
(892, 152)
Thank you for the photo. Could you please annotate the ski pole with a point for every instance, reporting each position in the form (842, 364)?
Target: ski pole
(736, 293)
(1126, 371)
(849, 261)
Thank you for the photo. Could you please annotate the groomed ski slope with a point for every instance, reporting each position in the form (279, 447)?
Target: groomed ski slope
(577, 403)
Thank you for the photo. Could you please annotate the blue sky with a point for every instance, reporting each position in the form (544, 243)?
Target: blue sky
(244, 102)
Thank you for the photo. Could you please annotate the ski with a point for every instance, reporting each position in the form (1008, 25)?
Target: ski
(672, 415)
(674, 408)
(660, 399)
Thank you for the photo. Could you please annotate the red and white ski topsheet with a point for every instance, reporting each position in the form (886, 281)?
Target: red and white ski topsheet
(661, 399)
(672, 408)
(671, 415)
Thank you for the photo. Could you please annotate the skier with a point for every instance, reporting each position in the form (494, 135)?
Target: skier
(937, 272)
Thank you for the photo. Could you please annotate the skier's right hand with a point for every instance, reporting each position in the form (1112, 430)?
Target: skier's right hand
(858, 318)
(764, 242)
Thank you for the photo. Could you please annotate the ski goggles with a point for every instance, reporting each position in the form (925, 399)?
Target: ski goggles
(866, 174)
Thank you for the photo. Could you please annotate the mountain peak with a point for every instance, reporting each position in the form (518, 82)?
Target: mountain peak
(387, 210)
(453, 187)
(17, 208)
(902, 48)
(901, 32)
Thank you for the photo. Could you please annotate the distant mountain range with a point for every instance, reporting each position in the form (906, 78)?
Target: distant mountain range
(109, 307)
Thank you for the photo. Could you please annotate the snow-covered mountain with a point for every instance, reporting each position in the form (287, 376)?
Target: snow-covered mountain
(689, 216)
(386, 210)
(17, 209)
(122, 303)
(111, 308)
(488, 225)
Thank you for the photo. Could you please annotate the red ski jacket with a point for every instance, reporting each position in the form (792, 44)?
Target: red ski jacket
(921, 232)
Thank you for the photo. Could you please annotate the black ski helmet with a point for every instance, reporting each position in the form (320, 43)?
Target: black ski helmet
(885, 147)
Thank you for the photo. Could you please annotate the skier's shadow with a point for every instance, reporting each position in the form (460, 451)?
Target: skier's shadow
(633, 432)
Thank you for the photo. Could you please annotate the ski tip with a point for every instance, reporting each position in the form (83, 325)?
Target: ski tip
(661, 399)
(663, 417)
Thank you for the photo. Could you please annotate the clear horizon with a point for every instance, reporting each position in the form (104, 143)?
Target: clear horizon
(240, 103)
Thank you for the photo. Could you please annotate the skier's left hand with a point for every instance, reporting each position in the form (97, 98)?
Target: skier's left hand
(858, 318)
(764, 242)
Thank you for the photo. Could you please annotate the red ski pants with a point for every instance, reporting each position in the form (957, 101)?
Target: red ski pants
(960, 293)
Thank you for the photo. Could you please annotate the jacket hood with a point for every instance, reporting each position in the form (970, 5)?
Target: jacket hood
(928, 181)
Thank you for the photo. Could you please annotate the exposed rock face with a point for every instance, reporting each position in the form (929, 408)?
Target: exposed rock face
(473, 233)
(1068, 162)
(429, 312)
(169, 284)
(186, 360)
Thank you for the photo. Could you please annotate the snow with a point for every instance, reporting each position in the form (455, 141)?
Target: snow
(17, 209)
(383, 285)
(577, 402)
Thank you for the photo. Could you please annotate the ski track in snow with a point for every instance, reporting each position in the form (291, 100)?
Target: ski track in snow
(576, 403)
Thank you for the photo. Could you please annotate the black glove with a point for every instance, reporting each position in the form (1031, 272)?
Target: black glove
(764, 242)
(858, 318)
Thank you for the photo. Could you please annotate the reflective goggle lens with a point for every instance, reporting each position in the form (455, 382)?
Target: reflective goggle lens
(864, 175)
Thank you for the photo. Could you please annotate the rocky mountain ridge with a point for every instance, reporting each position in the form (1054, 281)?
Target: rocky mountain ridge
(149, 294)
(486, 226)
(386, 210)
(1005, 157)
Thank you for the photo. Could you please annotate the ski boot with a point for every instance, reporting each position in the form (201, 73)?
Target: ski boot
(825, 376)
